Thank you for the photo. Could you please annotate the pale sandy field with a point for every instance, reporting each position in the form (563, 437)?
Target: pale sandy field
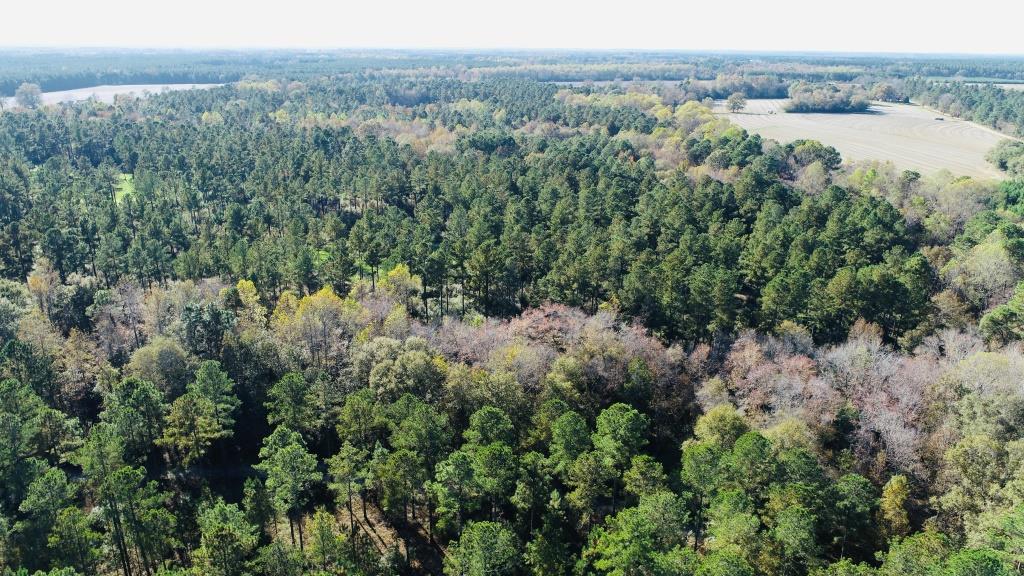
(908, 135)
(107, 93)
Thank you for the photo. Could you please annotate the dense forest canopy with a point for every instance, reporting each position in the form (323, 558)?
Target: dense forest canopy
(486, 313)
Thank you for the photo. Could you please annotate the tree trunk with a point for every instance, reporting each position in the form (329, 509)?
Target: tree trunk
(351, 522)
(122, 548)
(351, 516)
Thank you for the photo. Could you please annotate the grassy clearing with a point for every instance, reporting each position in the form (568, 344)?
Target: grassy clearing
(125, 187)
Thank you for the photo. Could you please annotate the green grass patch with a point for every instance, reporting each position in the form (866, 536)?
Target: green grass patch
(125, 187)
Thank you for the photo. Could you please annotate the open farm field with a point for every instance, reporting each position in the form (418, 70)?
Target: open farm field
(108, 93)
(910, 136)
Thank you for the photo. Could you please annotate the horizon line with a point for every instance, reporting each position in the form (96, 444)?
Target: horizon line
(501, 49)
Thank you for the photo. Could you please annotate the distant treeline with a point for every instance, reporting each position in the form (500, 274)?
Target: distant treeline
(54, 71)
(61, 71)
(991, 67)
(751, 86)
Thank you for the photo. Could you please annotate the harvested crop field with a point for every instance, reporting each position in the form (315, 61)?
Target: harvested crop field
(910, 136)
(107, 93)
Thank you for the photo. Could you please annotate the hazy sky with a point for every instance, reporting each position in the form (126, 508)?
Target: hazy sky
(972, 26)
